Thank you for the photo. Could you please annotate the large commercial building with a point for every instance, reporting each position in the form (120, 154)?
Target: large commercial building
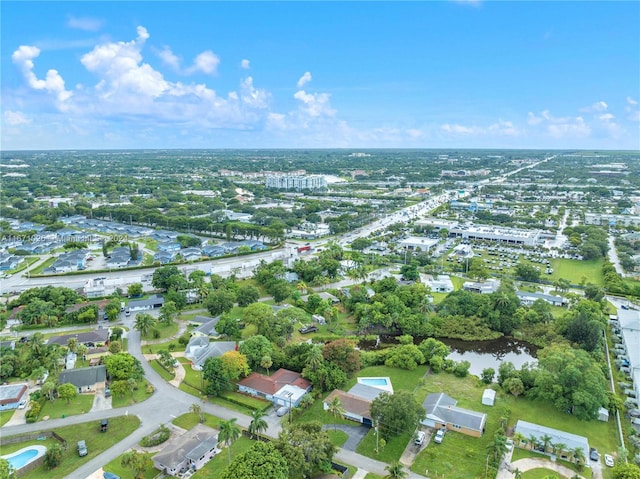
(605, 219)
(295, 182)
(503, 235)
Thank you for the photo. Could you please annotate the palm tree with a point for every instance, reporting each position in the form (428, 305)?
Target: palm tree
(519, 438)
(517, 473)
(578, 456)
(229, 432)
(533, 440)
(558, 448)
(546, 440)
(143, 323)
(301, 286)
(197, 410)
(396, 471)
(36, 344)
(335, 409)
(258, 424)
(498, 446)
(315, 358)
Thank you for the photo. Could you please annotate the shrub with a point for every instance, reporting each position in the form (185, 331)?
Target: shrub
(158, 437)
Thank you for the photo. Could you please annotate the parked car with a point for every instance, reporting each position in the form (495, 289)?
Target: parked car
(419, 438)
(308, 329)
(593, 454)
(82, 448)
(439, 436)
(104, 424)
(107, 392)
(23, 404)
(509, 444)
(608, 460)
(282, 411)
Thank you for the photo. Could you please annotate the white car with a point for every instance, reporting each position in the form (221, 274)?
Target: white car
(439, 436)
(608, 460)
(23, 404)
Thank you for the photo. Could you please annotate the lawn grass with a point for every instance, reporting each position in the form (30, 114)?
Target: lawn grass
(391, 451)
(464, 456)
(5, 416)
(45, 264)
(165, 330)
(81, 404)
(371, 475)
(338, 438)
(119, 428)
(140, 394)
(164, 374)
(217, 465)
(154, 348)
(541, 473)
(574, 270)
(189, 420)
(316, 412)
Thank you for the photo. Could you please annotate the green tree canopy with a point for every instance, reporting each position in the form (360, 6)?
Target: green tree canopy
(396, 413)
(261, 461)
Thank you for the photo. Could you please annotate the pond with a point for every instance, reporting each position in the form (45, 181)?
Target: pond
(490, 354)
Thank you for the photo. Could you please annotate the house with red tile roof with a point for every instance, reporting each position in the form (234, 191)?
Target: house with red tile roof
(283, 388)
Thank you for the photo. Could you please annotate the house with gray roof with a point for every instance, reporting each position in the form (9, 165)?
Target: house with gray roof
(155, 301)
(85, 379)
(11, 395)
(189, 451)
(207, 326)
(528, 298)
(199, 349)
(570, 441)
(442, 412)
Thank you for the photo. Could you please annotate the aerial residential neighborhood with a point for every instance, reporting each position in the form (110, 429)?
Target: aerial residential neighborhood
(320, 240)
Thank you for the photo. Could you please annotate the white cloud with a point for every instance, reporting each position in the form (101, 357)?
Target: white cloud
(597, 106)
(606, 117)
(53, 82)
(245, 64)
(253, 97)
(632, 109)
(169, 58)
(15, 118)
(206, 62)
(85, 23)
(304, 79)
(501, 128)
(314, 104)
(631, 101)
(563, 126)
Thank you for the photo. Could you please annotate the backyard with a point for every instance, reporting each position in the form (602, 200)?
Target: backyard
(119, 428)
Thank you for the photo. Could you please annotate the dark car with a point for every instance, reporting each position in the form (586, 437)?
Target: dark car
(104, 424)
(593, 454)
(308, 329)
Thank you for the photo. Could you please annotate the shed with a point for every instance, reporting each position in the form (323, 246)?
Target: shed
(488, 397)
(603, 414)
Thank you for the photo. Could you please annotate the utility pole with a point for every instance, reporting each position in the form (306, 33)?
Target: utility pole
(377, 433)
(486, 467)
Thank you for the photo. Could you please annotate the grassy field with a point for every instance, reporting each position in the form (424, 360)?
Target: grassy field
(154, 348)
(461, 456)
(187, 421)
(371, 475)
(401, 379)
(81, 404)
(317, 413)
(116, 468)
(574, 270)
(391, 451)
(119, 428)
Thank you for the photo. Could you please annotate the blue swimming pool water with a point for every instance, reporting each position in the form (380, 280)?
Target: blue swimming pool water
(23, 458)
(373, 381)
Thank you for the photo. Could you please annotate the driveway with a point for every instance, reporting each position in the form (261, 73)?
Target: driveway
(355, 433)
(532, 463)
(100, 402)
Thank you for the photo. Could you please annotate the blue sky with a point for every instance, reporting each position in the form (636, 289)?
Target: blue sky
(440, 74)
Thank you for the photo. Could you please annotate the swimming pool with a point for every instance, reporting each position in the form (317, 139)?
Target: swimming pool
(377, 382)
(24, 456)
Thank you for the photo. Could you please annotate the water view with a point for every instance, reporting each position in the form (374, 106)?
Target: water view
(490, 354)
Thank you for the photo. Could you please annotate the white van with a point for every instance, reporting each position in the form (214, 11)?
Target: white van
(419, 438)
